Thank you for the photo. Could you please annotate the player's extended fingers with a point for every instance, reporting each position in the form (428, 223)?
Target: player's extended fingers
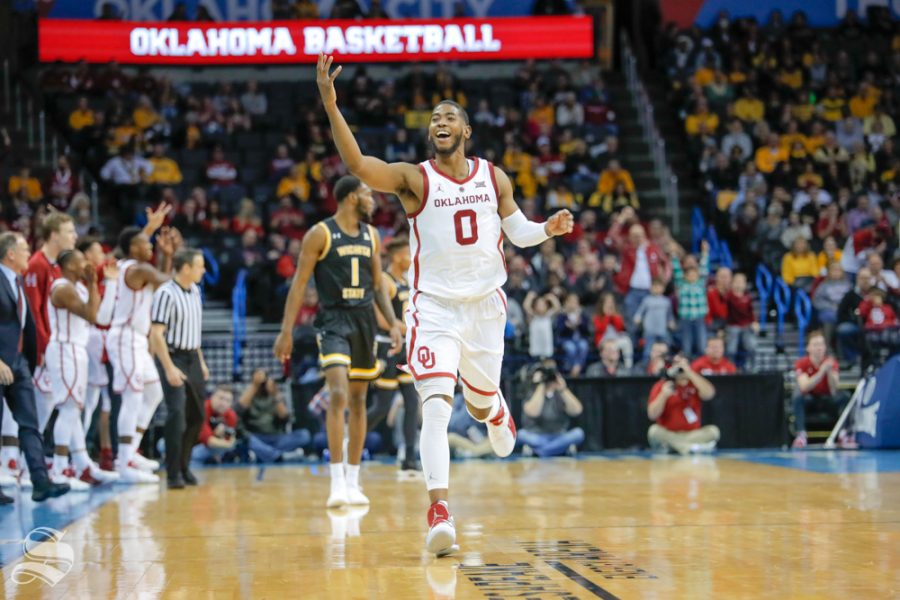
(321, 61)
(337, 71)
(328, 62)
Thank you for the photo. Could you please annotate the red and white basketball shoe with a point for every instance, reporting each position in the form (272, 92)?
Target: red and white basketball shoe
(502, 431)
(441, 538)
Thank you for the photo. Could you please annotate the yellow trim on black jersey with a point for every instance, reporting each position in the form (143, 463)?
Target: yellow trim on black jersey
(386, 384)
(327, 247)
(369, 374)
(373, 233)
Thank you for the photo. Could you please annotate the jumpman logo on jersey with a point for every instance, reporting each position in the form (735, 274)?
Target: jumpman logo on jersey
(440, 187)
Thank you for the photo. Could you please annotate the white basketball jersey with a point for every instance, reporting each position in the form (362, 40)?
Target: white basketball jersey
(132, 306)
(455, 236)
(65, 327)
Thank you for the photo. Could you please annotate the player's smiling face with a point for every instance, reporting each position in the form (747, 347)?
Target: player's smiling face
(447, 130)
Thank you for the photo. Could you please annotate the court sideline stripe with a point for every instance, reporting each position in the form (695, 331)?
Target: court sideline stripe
(582, 581)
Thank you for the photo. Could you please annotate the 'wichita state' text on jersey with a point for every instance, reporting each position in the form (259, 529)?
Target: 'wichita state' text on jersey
(344, 272)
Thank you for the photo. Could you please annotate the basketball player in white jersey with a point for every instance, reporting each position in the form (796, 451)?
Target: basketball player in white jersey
(73, 303)
(98, 379)
(457, 208)
(134, 372)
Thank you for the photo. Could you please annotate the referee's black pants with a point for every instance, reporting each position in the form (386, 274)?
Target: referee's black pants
(185, 410)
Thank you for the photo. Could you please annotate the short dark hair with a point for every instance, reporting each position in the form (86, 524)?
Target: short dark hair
(85, 243)
(397, 243)
(462, 111)
(345, 186)
(64, 257)
(184, 256)
(224, 387)
(8, 240)
(126, 237)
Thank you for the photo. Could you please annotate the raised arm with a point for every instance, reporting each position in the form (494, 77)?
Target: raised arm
(65, 296)
(520, 231)
(403, 179)
(110, 289)
(313, 244)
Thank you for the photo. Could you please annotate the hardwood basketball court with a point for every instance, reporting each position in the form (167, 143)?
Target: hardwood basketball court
(753, 525)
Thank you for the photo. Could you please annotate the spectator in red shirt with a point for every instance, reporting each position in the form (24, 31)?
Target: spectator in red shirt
(675, 406)
(218, 435)
(609, 325)
(641, 263)
(287, 264)
(288, 220)
(741, 327)
(62, 184)
(818, 378)
(247, 219)
(219, 171)
(880, 322)
(713, 361)
(715, 300)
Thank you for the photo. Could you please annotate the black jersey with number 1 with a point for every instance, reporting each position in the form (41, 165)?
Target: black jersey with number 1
(344, 272)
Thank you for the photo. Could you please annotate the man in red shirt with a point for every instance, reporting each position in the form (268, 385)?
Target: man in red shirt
(715, 299)
(675, 406)
(818, 376)
(713, 361)
(58, 233)
(219, 432)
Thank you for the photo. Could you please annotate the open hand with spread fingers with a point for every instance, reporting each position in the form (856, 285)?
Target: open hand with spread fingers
(325, 79)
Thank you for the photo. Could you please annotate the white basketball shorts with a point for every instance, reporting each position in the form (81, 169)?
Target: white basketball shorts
(129, 354)
(446, 337)
(67, 368)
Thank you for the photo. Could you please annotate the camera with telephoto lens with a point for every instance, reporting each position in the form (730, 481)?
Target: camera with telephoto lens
(673, 371)
(548, 373)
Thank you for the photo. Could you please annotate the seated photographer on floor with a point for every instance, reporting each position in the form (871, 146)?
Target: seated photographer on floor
(548, 414)
(675, 406)
(218, 436)
(264, 416)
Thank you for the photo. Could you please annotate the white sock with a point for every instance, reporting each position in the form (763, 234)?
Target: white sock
(434, 449)
(136, 442)
(81, 460)
(337, 473)
(125, 451)
(60, 462)
(8, 453)
(352, 474)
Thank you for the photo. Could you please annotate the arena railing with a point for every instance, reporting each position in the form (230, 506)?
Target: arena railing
(640, 99)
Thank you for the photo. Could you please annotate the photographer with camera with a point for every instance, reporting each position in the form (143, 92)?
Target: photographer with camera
(264, 416)
(675, 406)
(548, 415)
(218, 435)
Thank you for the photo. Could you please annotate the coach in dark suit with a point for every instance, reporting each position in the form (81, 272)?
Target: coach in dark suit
(18, 354)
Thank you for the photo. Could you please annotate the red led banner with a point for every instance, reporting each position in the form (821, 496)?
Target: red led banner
(287, 42)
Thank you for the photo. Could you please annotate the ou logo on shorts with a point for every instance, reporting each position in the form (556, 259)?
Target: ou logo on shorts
(426, 357)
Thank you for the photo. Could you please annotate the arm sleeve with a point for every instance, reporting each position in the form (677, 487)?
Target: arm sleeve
(522, 232)
(105, 312)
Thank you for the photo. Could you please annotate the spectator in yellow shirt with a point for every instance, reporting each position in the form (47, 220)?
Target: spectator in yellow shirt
(25, 183)
(749, 108)
(296, 184)
(767, 157)
(790, 75)
(831, 107)
(516, 161)
(879, 116)
(816, 138)
(800, 266)
(613, 175)
(165, 170)
(144, 115)
(862, 105)
(702, 118)
(82, 116)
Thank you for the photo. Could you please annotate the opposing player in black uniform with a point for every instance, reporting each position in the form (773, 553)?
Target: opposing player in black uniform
(343, 254)
(393, 378)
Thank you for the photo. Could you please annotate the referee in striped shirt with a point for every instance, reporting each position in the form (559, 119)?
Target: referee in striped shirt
(177, 315)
